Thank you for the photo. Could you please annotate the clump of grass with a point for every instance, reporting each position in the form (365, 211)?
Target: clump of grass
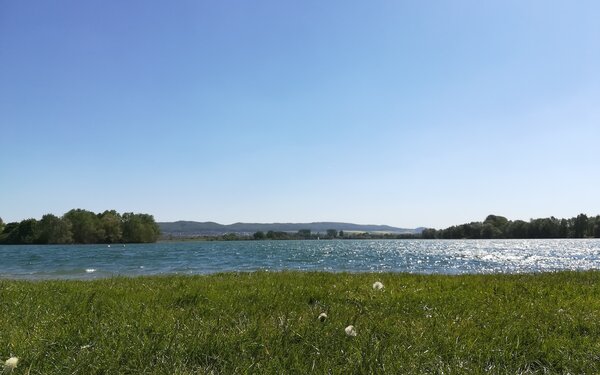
(265, 323)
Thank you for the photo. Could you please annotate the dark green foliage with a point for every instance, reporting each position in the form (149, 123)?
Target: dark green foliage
(517, 229)
(9, 232)
(332, 233)
(111, 223)
(81, 226)
(472, 230)
(545, 228)
(28, 231)
(25, 232)
(580, 225)
(85, 225)
(54, 230)
(259, 235)
(266, 323)
(493, 227)
(272, 235)
(304, 233)
(230, 237)
(499, 222)
(429, 234)
(499, 227)
(597, 227)
(139, 228)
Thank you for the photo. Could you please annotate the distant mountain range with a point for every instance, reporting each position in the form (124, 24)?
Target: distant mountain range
(194, 228)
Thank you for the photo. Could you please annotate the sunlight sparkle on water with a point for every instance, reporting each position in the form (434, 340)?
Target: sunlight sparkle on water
(412, 256)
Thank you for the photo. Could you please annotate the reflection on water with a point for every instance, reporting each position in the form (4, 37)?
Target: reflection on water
(414, 256)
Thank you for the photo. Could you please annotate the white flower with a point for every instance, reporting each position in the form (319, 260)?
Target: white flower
(377, 285)
(322, 317)
(350, 331)
(11, 364)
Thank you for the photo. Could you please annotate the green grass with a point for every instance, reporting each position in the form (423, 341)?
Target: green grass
(267, 323)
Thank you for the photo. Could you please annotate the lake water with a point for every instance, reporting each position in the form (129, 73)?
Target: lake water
(414, 256)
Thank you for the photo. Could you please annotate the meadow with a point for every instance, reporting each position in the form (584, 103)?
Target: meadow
(267, 322)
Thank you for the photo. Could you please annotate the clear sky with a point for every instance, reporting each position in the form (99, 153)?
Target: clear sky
(408, 113)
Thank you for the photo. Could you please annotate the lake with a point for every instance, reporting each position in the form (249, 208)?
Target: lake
(413, 256)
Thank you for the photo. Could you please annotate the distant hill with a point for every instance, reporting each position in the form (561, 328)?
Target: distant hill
(194, 228)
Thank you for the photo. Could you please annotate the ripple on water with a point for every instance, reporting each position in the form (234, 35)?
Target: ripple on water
(414, 256)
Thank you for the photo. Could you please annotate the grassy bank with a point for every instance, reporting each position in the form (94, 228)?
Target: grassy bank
(267, 323)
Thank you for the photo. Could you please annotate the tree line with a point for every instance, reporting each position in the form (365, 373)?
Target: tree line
(329, 234)
(302, 234)
(82, 227)
(495, 226)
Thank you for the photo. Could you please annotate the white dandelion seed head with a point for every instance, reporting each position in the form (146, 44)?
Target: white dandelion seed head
(378, 285)
(322, 317)
(11, 363)
(350, 331)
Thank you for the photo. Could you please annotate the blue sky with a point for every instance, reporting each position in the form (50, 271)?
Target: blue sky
(422, 113)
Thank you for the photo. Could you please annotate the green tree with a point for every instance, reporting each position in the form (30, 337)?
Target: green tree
(454, 232)
(259, 235)
(331, 233)
(81, 226)
(304, 233)
(54, 230)
(85, 225)
(1, 226)
(498, 222)
(341, 234)
(25, 232)
(499, 227)
(111, 223)
(488, 230)
(7, 233)
(28, 230)
(428, 233)
(139, 228)
(563, 230)
(230, 237)
(472, 230)
(272, 235)
(597, 227)
(580, 225)
(517, 229)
